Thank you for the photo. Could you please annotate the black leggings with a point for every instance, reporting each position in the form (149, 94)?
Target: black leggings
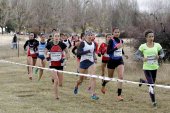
(150, 76)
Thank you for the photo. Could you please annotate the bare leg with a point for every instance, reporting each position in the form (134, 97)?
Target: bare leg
(60, 77)
(103, 66)
(120, 70)
(30, 60)
(28, 63)
(56, 84)
(92, 82)
(42, 64)
(81, 77)
(110, 75)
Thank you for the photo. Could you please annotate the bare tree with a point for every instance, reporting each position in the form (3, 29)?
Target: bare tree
(21, 12)
(4, 13)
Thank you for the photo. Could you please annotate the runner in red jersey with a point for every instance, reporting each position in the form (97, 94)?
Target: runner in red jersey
(74, 50)
(103, 51)
(54, 53)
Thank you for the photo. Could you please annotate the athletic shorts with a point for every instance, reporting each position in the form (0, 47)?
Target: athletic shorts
(105, 61)
(57, 67)
(40, 57)
(112, 64)
(32, 57)
(85, 64)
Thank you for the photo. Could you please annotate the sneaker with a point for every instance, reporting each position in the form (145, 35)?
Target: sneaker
(140, 80)
(103, 90)
(35, 70)
(30, 78)
(61, 85)
(52, 80)
(75, 90)
(154, 104)
(57, 98)
(94, 97)
(120, 98)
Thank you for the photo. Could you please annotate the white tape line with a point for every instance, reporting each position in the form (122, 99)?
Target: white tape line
(142, 63)
(87, 75)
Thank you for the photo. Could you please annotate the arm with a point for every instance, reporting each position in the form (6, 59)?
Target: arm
(69, 44)
(73, 50)
(126, 56)
(80, 50)
(161, 53)
(110, 49)
(139, 55)
(47, 50)
(95, 57)
(25, 45)
(67, 53)
(36, 45)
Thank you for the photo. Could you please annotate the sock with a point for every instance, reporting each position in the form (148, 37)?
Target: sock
(119, 91)
(104, 83)
(152, 97)
(151, 93)
(143, 81)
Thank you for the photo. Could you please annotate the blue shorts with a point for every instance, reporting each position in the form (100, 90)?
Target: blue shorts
(85, 64)
(41, 57)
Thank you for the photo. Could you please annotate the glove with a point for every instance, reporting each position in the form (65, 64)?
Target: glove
(99, 54)
(62, 60)
(48, 58)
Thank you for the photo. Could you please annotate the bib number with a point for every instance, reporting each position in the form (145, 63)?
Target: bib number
(151, 60)
(41, 52)
(32, 51)
(56, 56)
(118, 53)
(89, 56)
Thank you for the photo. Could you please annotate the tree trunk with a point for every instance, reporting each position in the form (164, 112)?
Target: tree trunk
(2, 30)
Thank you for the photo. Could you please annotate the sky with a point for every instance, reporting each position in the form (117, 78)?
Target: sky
(146, 5)
(143, 5)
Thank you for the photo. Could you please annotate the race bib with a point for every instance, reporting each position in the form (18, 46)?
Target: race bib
(151, 60)
(56, 56)
(118, 53)
(89, 56)
(32, 51)
(41, 52)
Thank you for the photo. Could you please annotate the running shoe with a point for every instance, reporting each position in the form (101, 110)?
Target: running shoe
(119, 98)
(94, 97)
(141, 81)
(30, 78)
(52, 80)
(75, 90)
(57, 98)
(103, 90)
(154, 104)
(35, 70)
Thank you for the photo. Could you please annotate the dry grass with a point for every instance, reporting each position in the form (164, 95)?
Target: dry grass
(20, 95)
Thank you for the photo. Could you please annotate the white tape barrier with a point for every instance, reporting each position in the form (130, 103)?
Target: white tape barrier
(137, 62)
(87, 75)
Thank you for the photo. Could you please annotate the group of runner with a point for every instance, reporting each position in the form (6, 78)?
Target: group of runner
(85, 49)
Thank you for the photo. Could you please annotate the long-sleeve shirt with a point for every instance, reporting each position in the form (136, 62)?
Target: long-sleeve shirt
(31, 43)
